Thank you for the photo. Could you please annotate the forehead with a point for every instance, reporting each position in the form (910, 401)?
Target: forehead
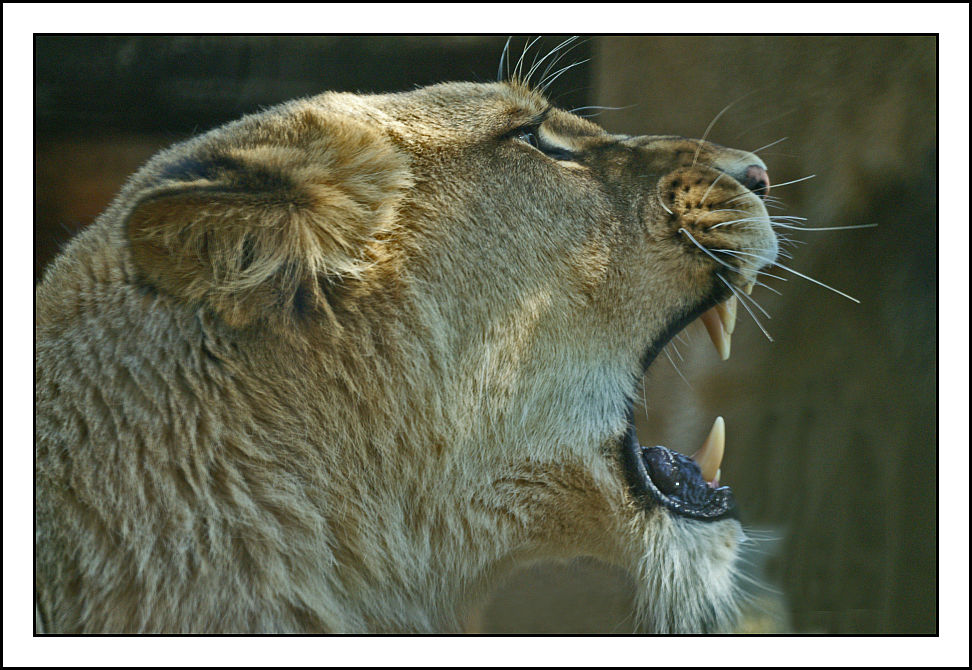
(492, 107)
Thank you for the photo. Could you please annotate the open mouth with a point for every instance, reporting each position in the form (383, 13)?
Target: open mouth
(686, 486)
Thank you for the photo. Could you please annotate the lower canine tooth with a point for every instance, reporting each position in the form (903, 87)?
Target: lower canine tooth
(717, 332)
(709, 457)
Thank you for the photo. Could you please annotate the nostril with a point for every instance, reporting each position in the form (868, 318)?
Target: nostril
(757, 180)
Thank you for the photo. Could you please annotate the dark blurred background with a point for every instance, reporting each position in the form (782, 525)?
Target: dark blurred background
(831, 427)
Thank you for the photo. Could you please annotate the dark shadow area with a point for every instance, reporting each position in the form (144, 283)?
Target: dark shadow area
(104, 104)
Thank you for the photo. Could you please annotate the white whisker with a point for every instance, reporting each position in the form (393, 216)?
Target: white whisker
(644, 397)
(557, 48)
(676, 370)
(794, 181)
(712, 123)
(739, 295)
(750, 219)
(518, 70)
(757, 306)
(767, 199)
(726, 251)
(560, 56)
(580, 109)
(814, 228)
(767, 261)
(714, 182)
(545, 84)
(756, 126)
(709, 253)
(503, 57)
(665, 208)
(767, 146)
(768, 287)
(800, 274)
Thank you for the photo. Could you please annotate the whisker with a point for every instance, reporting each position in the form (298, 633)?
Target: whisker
(820, 283)
(814, 228)
(794, 181)
(580, 109)
(757, 306)
(767, 199)
(749, 219)
(712, 123)
(800, 274)
(716, 211)
(768, 261)
(660, 202)
(767, 121)
(765, 587)
(773, 220)
(780, 153)
(709, 253)
(739, 295)
(767, 146)
(714, 182)
(676, 370)
(551, 64)
(518, 70)
(503, 57)
(768, 287)
(557, 48)
(721, 262)
(545, 84)
(779, 252)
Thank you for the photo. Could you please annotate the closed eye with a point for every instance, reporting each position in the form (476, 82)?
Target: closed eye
(531, 135)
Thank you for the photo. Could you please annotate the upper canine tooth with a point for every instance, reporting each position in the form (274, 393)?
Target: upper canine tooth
(714, 325)
(727, 312)
(748, 288)
(709, 457)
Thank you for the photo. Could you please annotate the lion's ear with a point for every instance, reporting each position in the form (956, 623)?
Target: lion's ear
(252, 226)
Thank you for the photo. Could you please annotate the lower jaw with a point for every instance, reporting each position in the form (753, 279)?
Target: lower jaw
(685, 495)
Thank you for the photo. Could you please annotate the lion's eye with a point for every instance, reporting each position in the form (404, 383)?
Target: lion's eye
(532, 137)
(529, 136)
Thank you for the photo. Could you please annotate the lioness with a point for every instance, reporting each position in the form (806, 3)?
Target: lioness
(340, 365)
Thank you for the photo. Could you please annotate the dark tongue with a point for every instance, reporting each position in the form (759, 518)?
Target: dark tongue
(665, 477)
(678, 479)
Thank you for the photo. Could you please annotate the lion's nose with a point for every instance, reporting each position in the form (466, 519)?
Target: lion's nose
(757, 180)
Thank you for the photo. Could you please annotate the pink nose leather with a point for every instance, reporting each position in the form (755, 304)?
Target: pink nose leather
(757, 180)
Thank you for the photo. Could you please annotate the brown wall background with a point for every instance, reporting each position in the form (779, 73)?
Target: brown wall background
(832, 427)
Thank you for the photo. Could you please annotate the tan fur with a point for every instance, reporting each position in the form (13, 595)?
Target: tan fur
(339, 366)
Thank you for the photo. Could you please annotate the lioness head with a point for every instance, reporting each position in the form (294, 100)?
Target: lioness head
(338, 365)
